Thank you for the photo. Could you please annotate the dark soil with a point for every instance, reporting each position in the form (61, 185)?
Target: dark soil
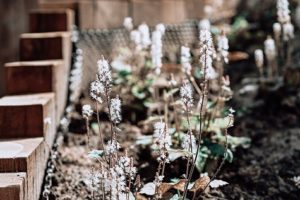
(266, 169)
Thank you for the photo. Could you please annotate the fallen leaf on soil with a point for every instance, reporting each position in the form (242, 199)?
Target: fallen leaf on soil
(164, 187)
(148, 189)
(180, 185)
(140, 197)
(217, 183)
(200, 184)
(237, 56)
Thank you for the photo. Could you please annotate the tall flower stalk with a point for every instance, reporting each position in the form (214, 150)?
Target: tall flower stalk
(186, 94)
(207, 52)
(87, 112)
(116, 171)
(287, 29)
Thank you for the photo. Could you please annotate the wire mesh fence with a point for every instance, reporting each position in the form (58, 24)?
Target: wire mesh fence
(97, 42)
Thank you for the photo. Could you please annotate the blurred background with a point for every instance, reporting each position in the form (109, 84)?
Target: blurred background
(102, 14)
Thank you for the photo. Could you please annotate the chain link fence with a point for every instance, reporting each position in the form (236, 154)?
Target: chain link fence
(97, 42)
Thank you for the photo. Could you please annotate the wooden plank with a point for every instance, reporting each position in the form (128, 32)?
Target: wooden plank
(98, 14)
(25, 155)
(25, 116)
(51, 20)
(159, 11)
(46, 46)
(61, 4)
(13, 186)
(47, 76)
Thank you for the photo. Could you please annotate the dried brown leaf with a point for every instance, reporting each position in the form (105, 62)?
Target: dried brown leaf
(180, 185)
(164, 187)
(140, 197)
(200, 184)
(237, 56)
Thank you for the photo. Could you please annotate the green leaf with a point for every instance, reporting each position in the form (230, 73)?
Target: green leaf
(148, 82)
(177, 197)
(124, 73)
(220, 123)
(201, 158)
(172, 131)
(148, 64)
(177, 153)
(95, 127)
(138, 92)
(233, 141)
(229, 156)
(218, 150)
(239, 24)
(198, 73)
(95, 153)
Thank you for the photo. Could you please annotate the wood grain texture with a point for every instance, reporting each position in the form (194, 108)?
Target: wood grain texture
(46, 46)
(29, 156)
(159, 11)
(13, 186)
(47, 76)
(24, 116)
(51, 20)
(102, 14)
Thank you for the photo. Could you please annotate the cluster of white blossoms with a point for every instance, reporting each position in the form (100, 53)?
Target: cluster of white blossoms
(115, 179)
(283, 11)
(189, 143)
(135, 37)
(270, 49)
(223, 46)
(87, 111)
(102, 82)
(204, 24)
(96, 90)
(104, 72)
(161, 28)
(259, 59)
(284, 18)
(127, 23)
(288, 31)
(76, 77)
(125, 167)
(115, 109)
(207, 52)
(162, 139)
(93, 179)
(277, 30)
(186, 94)
(116, 183)
(121, 168)
(112, 147)
(156, 47)
(185, 59)
(145, 35)
(141, 37)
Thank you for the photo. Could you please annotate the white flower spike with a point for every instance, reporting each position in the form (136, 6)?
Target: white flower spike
(87, 111)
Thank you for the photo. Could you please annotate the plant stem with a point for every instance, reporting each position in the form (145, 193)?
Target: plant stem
(100, 132)
(88, 133)
(200, 129)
